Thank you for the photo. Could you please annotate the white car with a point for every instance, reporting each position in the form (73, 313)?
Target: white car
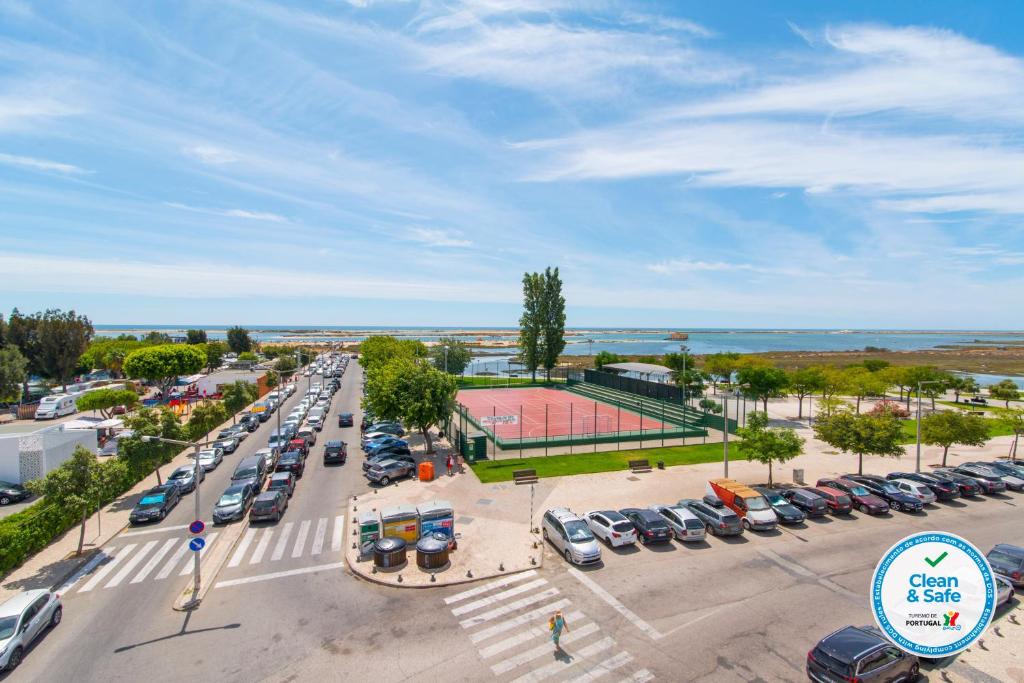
(23, 618)
(915, 489)
(209, 458)
(571, 536)
(685, 525)
(611, 527)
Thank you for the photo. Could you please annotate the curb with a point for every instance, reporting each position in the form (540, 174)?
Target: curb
(210, 567)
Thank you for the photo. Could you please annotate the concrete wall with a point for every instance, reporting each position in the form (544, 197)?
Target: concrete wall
(24, 457)
(10, 458)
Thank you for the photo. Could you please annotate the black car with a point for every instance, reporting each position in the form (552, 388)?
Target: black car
(345, 420)
(388, 428)
(944, 489)
(783, 509)
(810, 502)
(250, 422)
(282, 481)
(269, 505)
(392, 450)
(968, 486)
(718, 521)
(1012, 477)
(988, 480)
(860, 654)
(1008, 560)
(887, 491)
(650, 526)
(335, 451)
(234, 502)
(155, 504)
(12, 493)
(291, 461)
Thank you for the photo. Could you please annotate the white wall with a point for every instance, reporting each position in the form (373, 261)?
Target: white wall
(9, 458)
(24, 457)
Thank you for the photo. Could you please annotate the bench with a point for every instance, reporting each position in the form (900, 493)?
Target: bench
(524, 476)
(639, 466)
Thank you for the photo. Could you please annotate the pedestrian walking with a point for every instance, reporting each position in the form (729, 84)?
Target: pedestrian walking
(557, 623)
(450, 464)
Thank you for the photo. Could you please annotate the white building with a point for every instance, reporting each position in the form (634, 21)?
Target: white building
(29, 452)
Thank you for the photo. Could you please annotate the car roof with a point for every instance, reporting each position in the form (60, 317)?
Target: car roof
(644, 513)
(612, 515)
(268, 495)
(851, 642)
(234, 488)
(910, 481)
(19, 602)
(1014, 550)
(292, 454)
(335, 442)
(281, 475)
(829, 489)
(563, 514)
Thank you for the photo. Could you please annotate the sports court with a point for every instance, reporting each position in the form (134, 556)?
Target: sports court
(540, 412)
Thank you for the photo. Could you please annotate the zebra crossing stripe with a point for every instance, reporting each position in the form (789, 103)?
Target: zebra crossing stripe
(261, 547)
(641, 676)
(500, 583)
(300, 540)
(86, 568)
(507, 609)
(527, 635)
(541, 650)
(318, 537)
(509, 624)
(556, 667)
(131, 564)
(282, 542)
(118, 555)
(155, 560)
(339, 525)
(236, 558)
(190, 566)
(604, 668)
(498, 597)
(171, 563)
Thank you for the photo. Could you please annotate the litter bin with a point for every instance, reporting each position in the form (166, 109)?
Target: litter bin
(400, 521)
(436, 516)
(426, 471)
(431, 553)
(369, 527)
(389, 552)
(798, 476)
(479, 448)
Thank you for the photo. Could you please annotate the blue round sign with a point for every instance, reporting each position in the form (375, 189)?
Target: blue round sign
(196, 544)
(197, 526)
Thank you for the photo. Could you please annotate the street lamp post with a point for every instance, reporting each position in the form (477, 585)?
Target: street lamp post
(917, 465)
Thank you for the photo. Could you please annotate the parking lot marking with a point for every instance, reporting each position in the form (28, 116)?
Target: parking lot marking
(498, 597)
(604, 668)
(300, 540)
(278, 575)
(509, 624)
(641, 676)
(130, 565)
(540, 629)
(118, 555)
(339, 525)
(500, 583)
(155, 560)
(318, 537)
(524, 657)
(506, 609)
(282, 542)
(558, 666)
(172, 563)
(615, 604)
(236, 558)
(189, 566)
(86, 568)
(157, 530)
(807, 573)
(261, 547)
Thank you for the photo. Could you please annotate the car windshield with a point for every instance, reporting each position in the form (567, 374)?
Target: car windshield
(181, 474)
(889, 488)
(843, 500)
(152, 501)
(7, 625)
(999, 557)
(578, 531)
(230, 498)
(758, 503)
(859, 491)
(730, 519)
(622, 526)
(777, 500)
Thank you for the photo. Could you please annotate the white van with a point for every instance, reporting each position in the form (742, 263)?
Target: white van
(55, 406)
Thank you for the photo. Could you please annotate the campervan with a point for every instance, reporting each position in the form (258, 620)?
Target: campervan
(55, 406)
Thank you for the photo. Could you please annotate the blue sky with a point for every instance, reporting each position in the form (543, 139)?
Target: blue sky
(750, 164)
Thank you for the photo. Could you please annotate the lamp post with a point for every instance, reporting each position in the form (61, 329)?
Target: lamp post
(195, 445)
(917, 465)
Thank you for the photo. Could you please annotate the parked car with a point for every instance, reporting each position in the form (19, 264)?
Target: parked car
(838, 502)
(387, 471)
(234, 502)
(291, 461)
(393, 449)
(23, 618)
(888, 491)
(406, 458)
(1004, 590)
(944, 489)
(394, 428)
(915, 489)
(270, 456)
(807, 500)
(250, 421)
(237, 430)
(155, 504)
(381, 444)
(685, 525)
(571, 536)
(369, 437)
(282, 481)
(968, 486)
(718, 521)
(750, 505)
(1013, 467)
(307, 433)
(228, 445)
(209, 458)
(862, 498)
(300, 445)
(12, 493)
(254, 469)
(345, 420)
(651, 527)
(185, 477)
(1009, 474)
(787, 512)
(1008, 560)
(860, 654)
(269, 505)
(335, 451)
(611, 527)
(988, 480)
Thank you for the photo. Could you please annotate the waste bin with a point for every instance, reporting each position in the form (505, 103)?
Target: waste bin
(436, 516)
(400, 521)
(389, 552)
(479, 449)
(369, 527)
(798, 475)
(431, 553)
(426, 471)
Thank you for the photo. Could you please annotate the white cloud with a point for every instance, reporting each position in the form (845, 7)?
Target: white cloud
(684, 266)
(231, 213)
(210, 154)
(40, 164)
(438, 238)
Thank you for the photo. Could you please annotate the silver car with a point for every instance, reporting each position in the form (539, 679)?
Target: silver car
(915, 489)
(685, 525)
(23, 618)
(571, 536)
(227, 444)
(185, 476)
(210, 458)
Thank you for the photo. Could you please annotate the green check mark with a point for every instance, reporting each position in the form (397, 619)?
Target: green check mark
(938, 559)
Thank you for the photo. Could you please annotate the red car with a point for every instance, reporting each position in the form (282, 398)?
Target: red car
(838, 502)
(299, 445)
(866, 502)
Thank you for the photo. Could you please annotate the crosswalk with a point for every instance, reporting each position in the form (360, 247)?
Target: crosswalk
(139, 560)
(507, 620)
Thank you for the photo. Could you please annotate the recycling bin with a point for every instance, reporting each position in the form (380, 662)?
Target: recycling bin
(426, 471)
(389, 552)
(369, 527)
(436, 516)
(431, 553)
(479, 449)
(400, 521)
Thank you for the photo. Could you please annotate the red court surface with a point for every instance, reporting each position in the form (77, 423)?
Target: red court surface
(566, 413)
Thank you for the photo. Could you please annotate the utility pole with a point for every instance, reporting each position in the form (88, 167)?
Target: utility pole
(725, 434)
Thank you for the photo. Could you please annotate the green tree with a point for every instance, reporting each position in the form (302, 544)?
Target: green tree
(23, 332)
(164, 364)
(13, 373)
(875, 364)
(553, 320)
(1013, 419)
(604, 358)
(861, 434)
(762, 383)
(143, 455)
(155, 338)
(805, 382)
(271, 379)
(953, 427)
(898, 377)
(62, 339)
(238, 395)
(710, 406)
(206, 416)
(862, 383)
(381, 349)
(239, 340)
(76, 485)
(248, 356)
(917, 375)
(531, 323)
(720, 366)
(833, 382)
(195, 336)
(768, 445)
(1006, 390)
(411, 391)
(215, 351)
(105, 400)
(962, 384)
(451, 355)
(285, 364)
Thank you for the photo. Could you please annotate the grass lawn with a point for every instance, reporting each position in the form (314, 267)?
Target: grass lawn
(910, 430)
(490, 471)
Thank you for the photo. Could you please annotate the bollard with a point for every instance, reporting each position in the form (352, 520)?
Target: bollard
(533, 560)
(501, 566)
(469, 573)
(433, 579)
(353, 545)
(373, 569)
(399, 578)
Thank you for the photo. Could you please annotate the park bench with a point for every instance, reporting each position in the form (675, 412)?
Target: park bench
(524, 476)
(639, 466)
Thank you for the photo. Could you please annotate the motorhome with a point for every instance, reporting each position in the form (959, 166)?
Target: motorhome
(55, 406)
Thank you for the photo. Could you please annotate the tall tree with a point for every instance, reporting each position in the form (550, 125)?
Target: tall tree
(962, 384)
(239, 340)
(164, 364)
(917, 375)
(106, 400)
(451, 355)
(762, 383)
(553, 322)
(76, 486)
(62, 339)
(862, 383)
(1013, 419)
(141, 454)
(238, 395)
(684, 372)
(381, 349)
(155, 338)
(205, 417)
(13, 372)
(861, 434)
(720, 366)
(1006, 390)
(531, 323)
(805, 382)
(23, 332)
(195, 336)
(898, 377)
(953, 427)
(768, 445)
(285, 364)
(215, 351)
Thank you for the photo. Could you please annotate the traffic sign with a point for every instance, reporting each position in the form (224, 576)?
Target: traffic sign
(196, 544)
(197, 526)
